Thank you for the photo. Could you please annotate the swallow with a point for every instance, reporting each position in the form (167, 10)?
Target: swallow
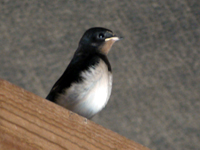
(85, 86)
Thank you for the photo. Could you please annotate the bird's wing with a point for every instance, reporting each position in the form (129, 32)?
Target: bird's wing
(78, 64)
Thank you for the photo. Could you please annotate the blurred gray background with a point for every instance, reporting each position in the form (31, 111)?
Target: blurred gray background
(155, 97)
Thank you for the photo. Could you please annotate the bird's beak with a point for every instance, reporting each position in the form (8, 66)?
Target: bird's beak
(105, 48)
(114, 38)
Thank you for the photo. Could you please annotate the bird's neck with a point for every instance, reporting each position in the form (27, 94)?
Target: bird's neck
(87, 49)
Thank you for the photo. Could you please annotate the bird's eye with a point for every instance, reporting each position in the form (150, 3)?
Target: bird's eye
(101, 36)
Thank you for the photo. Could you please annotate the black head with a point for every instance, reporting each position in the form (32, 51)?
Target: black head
(98, 38)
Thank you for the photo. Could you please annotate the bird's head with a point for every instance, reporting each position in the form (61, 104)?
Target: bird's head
(100, 39)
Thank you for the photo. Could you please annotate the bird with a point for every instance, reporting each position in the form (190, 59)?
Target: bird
(86, 84)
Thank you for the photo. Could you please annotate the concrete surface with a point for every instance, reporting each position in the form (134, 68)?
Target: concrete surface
(156, 92)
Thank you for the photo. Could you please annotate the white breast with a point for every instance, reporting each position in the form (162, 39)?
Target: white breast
(90, 96)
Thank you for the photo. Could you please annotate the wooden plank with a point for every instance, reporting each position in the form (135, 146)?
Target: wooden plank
(28, 121)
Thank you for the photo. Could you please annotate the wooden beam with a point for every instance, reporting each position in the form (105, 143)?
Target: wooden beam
(28, 121)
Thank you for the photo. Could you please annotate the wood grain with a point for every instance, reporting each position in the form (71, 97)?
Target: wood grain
(28, 121)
